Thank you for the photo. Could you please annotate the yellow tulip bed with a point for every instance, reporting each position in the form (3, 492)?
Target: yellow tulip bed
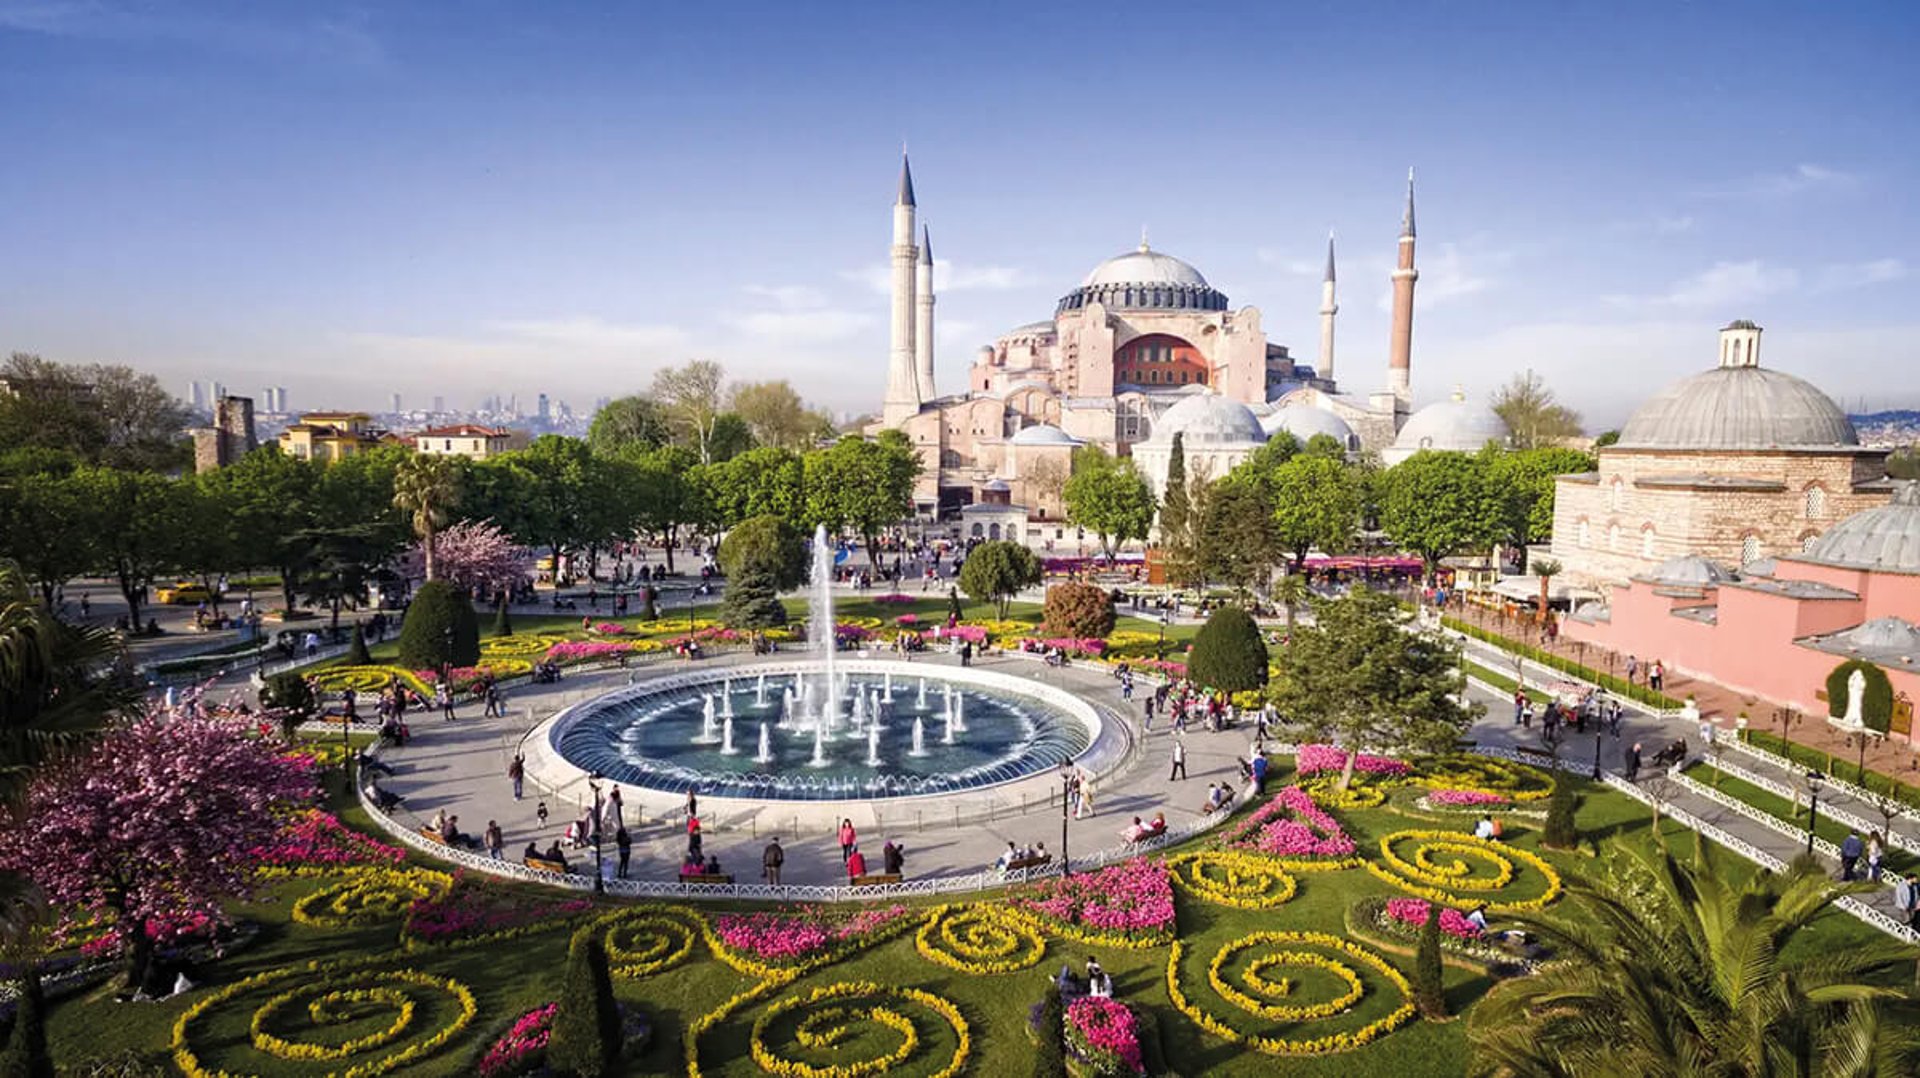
(979, 938)
(368, 679)
(1231, 878)
(1484, 774)
(1318, 959)
(369, 896)
(643, 941)
(1461, 870)
(846, 1026)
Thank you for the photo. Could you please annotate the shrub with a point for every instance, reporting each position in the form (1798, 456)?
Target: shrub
(752, 600)
(586, 1026)
(357, 648)
(289, 692)
(502, 625)
(1429, 979)
(1228, 653)
(996, 570)
(1078, 610)
(1051, 1060)
(769, 545)
(1876, 704)
(1558, 833)
(26, 1052)
(438, 607)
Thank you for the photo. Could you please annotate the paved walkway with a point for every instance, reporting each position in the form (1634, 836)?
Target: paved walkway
(461, 766)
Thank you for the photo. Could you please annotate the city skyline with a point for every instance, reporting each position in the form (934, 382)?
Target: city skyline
(384, 213)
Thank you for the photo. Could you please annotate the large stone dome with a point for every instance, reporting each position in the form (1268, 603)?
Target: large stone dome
(1738, 407)
(1144, 266)
(1455, 426)
(1303, 421)
(1208, 420)
(1145, 279)
(1886, 537)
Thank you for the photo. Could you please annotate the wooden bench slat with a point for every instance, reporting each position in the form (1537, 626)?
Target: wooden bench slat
(876, 879)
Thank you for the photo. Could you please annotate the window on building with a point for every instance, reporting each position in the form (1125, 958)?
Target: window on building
(1816, 503)
(1749, 550)
(1613, 537)
(1586, 535)
(449, 446)
(1617, 493)
(1646, 542)
(1806, 544)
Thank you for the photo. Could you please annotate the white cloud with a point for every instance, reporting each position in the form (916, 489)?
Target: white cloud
(1292, 264)
(1801, 179)
(1842, 276)
(790, 297)
(1722, 284)
(813, 326)
(948, 276)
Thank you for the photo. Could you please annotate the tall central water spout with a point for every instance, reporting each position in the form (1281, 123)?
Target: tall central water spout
(760, 692)
(765, 755)
(820, 624)
(726, 737)
(707, 734)
(873, 745)
(726, 698)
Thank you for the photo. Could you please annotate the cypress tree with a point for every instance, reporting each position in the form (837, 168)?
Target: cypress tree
(357, 648)
(1051, 1060)
(1228, 652)
(1174, 505)
(502, 625)
(586, 1026)
(753, 600)
(26, 1055)
(437, 607)
(1558, 832)
(1429, 981)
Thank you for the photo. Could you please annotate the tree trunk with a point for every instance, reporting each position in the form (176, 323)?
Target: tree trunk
(666, 540)
(130, 591)
(286, 586)
(1346, 771)
(426, 551)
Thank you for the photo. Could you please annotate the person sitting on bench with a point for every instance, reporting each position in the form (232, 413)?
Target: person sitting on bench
(557, 855)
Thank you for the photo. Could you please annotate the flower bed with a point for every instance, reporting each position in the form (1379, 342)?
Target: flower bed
(1290, 825)
(1314, 759)
(1126, 905)
(894, 598)
(1105, 1034)
(979, 938)
(1084, 647)
(369, 896)
(1468, 797)
(468, 910)
(574, 652)
(1413, 911)
(802, 933)
(1447, 864)
(313, 837)
(826, 1031)
(1255, 990)
(521, 1046)
(1231, 878)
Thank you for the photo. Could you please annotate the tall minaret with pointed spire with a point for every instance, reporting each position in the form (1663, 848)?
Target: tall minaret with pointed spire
(1328, 308)
(903, 383)
(923, 316)
(1400, 353)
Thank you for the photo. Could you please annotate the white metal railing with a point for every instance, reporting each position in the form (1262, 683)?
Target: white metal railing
(1833, 811)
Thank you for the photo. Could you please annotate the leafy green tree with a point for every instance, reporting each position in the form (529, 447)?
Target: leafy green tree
(1176, 504)
(1235, 539)
(1361, 679)
(104, 414)
(427, 488)
(1524, 481)
(769, 545)
(341, 561)
(150, 527)
(55, 690)
(731, 437)
(1607, 438)
(1429, 975)
(1533, 418)
(776, 415)
(670, 502)
(1325, 445)
(1108, 498)
(1291, 592)
(586, 1025)
(1078, 610)
(1182, 508)
(291, 693)
(48, 525)
(1700, 970)
(689, 396)
(440, 629)
(760, 482)
(1282, 447)
(269, 496)
(862, 485)
(1228, 652)
(558, 481)
(1316, 503)
(1436, 504)
(996, 571)
(628, 422)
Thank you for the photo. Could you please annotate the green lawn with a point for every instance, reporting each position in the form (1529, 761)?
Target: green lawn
(510, 976)
(1795, 815)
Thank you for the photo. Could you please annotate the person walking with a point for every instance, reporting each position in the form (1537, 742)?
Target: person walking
(624, 842)
(693, 802)
(693, 837)
(496, 842)
(1657, 676)
(1874, 851)
(1850, 852)
(443, 699)
(613, 813)
(1633, 669)
(1085, 807)
(517, 771)
(1633, 762)
(770, 861)
(847, 839)
(856, 863)
(1179, 769)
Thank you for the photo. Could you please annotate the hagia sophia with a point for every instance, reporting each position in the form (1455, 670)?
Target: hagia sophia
(1143, 349)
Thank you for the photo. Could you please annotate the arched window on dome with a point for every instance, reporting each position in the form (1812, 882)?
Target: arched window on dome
(1816, 503)
(1646, 541)
(1749, 550)
(1586, 534)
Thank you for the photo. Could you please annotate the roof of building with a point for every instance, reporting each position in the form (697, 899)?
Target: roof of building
(1886, 537)
(1887, 641)
(1702, 481)
(1688, 571)
(1145, 279)
(463, 430)
(1144, 265)
(1303, 421)
(1457, 425)
(1738, 407)
(1208, 420)
(1707, 613)
(1043, 434)
(1792, 589)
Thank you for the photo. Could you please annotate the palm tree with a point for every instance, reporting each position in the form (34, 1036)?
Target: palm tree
(427, 485)
(1291, 593)
(1687, 977)
(1546, 569)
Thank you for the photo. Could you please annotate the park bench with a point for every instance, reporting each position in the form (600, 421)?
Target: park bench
(1029, 862)
(708, 877)
(434, 836)
(875, 879)
(541, 864)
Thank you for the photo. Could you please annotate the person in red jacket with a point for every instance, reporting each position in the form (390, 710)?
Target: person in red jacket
(846, 839)
(856, 864)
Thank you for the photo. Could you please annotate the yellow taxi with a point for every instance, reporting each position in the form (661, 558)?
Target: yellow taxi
(182, 593)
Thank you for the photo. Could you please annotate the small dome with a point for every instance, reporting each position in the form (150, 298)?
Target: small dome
(1879, 635)
(1303, 421)
(997, 486)
(1043, 434)
(1886, 537)
(1208, 419)
(1457, 426)
(1689, 571)
(1738, 407)
(1144, 266)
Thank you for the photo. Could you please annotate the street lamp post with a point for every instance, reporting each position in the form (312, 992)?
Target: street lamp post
(599, 852)
(1066, 790)
(1596, 750)
(1813, 807)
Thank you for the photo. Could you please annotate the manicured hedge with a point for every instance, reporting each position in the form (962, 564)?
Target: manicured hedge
(1876, 705)
(1614, 685)
(436, 607)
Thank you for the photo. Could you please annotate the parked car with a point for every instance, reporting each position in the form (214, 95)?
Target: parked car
(183, 593)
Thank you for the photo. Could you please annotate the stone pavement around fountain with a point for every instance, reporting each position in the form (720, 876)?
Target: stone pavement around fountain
(461, 766)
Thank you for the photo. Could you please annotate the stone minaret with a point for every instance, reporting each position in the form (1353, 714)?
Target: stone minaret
(923, 316)
(1328, 308)
(1400, 353)
(903, 386)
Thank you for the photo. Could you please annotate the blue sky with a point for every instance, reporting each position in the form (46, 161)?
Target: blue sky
(352, 200)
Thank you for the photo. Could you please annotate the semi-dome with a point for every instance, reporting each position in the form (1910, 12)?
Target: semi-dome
(1457, 426)
(1303, 421)
(1886, 537)
(1738, 407)
(1145, 279)
(1208, 419)
(1043, 434)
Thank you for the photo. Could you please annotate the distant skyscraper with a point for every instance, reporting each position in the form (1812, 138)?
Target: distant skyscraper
(544, 410)
(396, 404)
(194, 397)
(439, 404)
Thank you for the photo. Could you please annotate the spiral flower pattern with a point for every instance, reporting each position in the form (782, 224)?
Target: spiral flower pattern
(1461, 870)
(369, 897)
(856, 1028)
(1229, 878)
(643, 942)
(519, 646)
(1467, 771)
(375, 1021)
(1299, 982)
(980, 939)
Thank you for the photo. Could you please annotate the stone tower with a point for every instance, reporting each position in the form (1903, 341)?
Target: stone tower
(1328, 308)
(903, 383)
(923, 317)
(230, 438)
(1400, 353)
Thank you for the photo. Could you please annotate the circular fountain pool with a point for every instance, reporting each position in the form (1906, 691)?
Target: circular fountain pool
(774, 732)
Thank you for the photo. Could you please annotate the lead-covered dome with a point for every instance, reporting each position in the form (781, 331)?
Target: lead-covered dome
(1208, 419)
(1145, 279)
(1738, 407)
(1886, 537)
(1043, 434)
(1303, 421)
(1451, 426)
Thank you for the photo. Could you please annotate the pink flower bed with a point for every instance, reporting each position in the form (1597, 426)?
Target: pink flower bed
(972, 634)
(1466, 797)
(1291, 825)
(529, 1035)
(1134, 898)
(1106, 1027)
(1088, 647)
(317, 838)
(852, 633)
(577, 651)
(1313, 759)
(1413, 911)
(786, 936)
(472, 911)
(610, 628)
(893, 597)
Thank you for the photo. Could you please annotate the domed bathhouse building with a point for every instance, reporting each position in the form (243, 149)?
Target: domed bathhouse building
(1778, 627)
(1736, 464)
(1144, 340)
(1456, 425)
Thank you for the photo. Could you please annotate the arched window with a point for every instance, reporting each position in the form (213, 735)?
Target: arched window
(1646, 541)
(1807, 541)
(1816, 503)
(1749, 550)
(993, 531)
(979, 532)
(1617, 492)
(1613, 537)
(1586, 535)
